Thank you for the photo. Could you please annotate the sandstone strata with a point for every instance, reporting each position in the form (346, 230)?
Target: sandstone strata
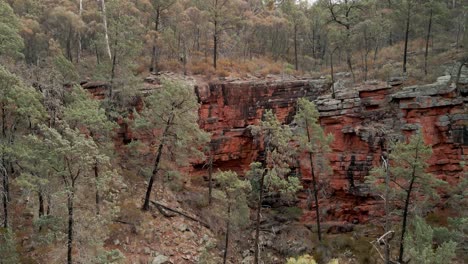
(362, 119)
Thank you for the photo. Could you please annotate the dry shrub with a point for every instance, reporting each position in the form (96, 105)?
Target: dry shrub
(221, 72)
(202, 68)
(171, 65)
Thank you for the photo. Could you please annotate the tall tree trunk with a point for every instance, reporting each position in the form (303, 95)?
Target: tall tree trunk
(296, 63)
(49, 203)
(427, 42)
(153, 64)
(226, 241)
(5, 183)
(98, 197)
(156, 164)
(70, 208)
(387, 209)
(407, 202)
(405, 53)
(78, 56)
(332, 73)
(69, 39)
(215, 44)
(41, 203)
(210, 179)
(314, 185)
(257, 221)
(349, 52)
(114, 65)
(106, 34)
(405, 217)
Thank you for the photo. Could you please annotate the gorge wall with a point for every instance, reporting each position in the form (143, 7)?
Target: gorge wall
(363, 120)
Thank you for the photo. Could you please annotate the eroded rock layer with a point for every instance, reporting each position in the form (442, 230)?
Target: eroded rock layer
(363, 121)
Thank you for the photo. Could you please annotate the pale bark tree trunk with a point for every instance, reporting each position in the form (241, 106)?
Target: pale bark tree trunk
(78, 56)
(426, 53)
(106, 34)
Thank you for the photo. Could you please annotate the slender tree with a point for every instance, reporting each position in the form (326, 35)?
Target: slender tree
(316, 144)
(234, 196)
(274, 172)
(20, 110)
(409, 179)
(172, 111)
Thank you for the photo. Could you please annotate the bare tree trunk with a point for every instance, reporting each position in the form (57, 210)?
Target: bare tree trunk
(41, 203)
(257, 222)
(70, 208)
(332, 73)
(78, 56)
(296, 63)
(405, 53)
(106, 34)
(210, 179)
(98, 197)
(215, 44)
(387, 209)
(405, 210)
(314, 185)
(427, 42)
(156, 165)
(6, 188)
(153, 65)
(226, 241)
(49, 203)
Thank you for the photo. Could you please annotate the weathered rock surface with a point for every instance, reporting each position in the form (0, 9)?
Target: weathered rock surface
(363, 120)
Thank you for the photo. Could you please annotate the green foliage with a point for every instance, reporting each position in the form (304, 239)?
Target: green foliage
(420, 244)
(311, 136)
(279, 155)
(307, 259)
(234, 194)
(66, 69)
(170, 117)
(113, 256)
(408, 162)
(8, 252)
(82, 111)
(11, 43)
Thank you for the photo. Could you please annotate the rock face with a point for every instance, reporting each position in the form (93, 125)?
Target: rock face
(362, 119)
(227, 109)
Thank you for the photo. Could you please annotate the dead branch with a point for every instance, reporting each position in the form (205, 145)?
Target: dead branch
(161, 206)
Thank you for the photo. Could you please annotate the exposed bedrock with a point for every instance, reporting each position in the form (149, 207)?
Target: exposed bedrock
(362, 119)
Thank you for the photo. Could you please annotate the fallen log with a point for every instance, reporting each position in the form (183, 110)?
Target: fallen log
(159, 206)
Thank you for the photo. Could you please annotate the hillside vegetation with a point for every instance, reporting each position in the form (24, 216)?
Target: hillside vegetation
(108, 179)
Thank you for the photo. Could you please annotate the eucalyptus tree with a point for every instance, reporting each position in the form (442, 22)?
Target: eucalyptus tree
(273, 175)
(21, 110)
(169, 121)
(234, 196)
(313, 141)
(11, 42)
(409, 180)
